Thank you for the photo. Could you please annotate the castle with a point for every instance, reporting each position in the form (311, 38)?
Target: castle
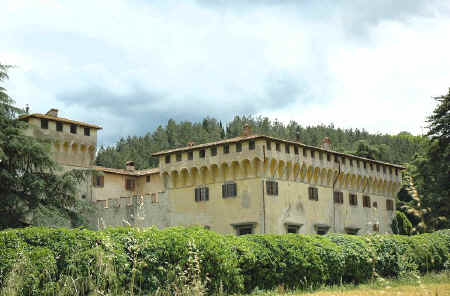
(247, 184)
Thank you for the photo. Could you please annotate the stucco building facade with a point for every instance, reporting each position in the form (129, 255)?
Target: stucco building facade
(248, 184)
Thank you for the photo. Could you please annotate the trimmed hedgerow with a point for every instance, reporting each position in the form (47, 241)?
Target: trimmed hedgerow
(46, 261)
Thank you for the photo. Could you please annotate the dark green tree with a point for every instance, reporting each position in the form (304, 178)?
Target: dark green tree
(29, 178)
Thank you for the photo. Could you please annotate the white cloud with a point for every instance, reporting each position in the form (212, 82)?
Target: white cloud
(367, 65)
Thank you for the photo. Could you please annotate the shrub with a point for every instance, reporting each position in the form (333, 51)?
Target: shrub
(401, 224)
(45, 261)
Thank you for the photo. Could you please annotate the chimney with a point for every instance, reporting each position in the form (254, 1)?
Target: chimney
(246, 131)
(326, 143)
(130, 166)
(27, 109)
(190, 144)
(52, 112)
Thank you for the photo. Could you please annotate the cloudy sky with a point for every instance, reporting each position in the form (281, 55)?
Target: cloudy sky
(131, 65)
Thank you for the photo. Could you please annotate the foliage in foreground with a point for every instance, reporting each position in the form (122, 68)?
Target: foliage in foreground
(128, 261)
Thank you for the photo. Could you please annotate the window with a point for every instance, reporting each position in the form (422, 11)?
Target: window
(321, 228)
(304, 152)
(168, 158)
(365, 165)
(277, 146)
(226, 148)
(44, 123)
(375, 204)
(190, 155)
(269, 145)
(73, 128)
(366, 201)
(338, 197)
(272, 187)
(376, 227)
(351, 162)
(396, 172)
(238, 147)
(357, 164)
(293, 228)
(378, 168)
(147, 179)
(389, 204)
(229, 190)
(351, 230)
(251, 145)
(320, 155)
(154, 198)
(201, 194)
(102, 204)
(213, 151)
(243, 229)
(328, 157)
(353, 199)
(296, 150)
(343, 160)
(87, 131)
(313, 193)
(178, 156)
(371, 166)
(286, 148)
(336, 159)
(130, 184)
(312, 154)
(59, 126)
(202, 153)
(98, 181)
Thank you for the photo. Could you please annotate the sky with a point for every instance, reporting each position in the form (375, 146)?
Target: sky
(131, 65)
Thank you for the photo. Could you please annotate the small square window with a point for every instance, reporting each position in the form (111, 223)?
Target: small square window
(201, 153)
(178, 156)
(251, 145)
(269, 145)
(73, 128)
(286, 148)
(213, 151)
(244, 229)
(338, 197)
(376, 227)
(238, 147)
(312, 154)
(278, 146)
(351, 162)
(201, 194)
(365, 165)
(396, 172)
(87, 131)
(375, 204)
(168, 158)
(147, 179)
(190, 155)
(291, 228)
(328, 157)
(296, 150)
(226, 149)
(59, 126)
(305, 152)
(44, 123)
(229, 190)
(371, 166)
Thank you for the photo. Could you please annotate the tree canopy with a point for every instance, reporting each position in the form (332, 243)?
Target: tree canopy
(29, 178)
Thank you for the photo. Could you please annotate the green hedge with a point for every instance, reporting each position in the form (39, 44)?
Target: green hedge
(46, 261)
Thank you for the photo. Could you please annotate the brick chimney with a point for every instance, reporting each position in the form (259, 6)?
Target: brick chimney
(52, 112)
(246, 131)
(326, 143)
(129, 165)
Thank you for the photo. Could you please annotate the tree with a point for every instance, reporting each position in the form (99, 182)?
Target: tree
(28, 176)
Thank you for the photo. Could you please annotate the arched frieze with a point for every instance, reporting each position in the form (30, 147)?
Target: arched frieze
(184, 177)
(353, 184)
(296, 171)
(273, 167)
(225, 172)
(289, 171)
(246, 168)
(281, 169)
(74, 148)
(214, 170)
(174, 179)
(303, 172)
(316, 175)
(257, 167)
(236, 170)
(309, 174)
(323, 177)
(205, 176)
(195, 176)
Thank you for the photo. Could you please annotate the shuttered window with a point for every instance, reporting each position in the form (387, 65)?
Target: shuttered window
(201, 194)
(251, 145)
(313, 193)
(229, 190)
(353, 199)
(389, 205)
(130, 184)
(272, 187)
(98, 181)
(338, 197)
(213, 151)
(238, 147)
(366, 201)
(44, 123)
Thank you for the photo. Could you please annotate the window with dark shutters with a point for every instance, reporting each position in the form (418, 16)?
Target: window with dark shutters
(178, 156)
(130, 184)
(286, 148)
(59, 126)
(229, 190)
(272, 187)
(201, 194)
(296, 150)
(277, 147)
(44, 123)
(190, 155)
(201, 153)
(251, 145)
(338, 197)
(238, 147)
(366, 201)
(73, 128)
(353, 199)
(226, 148)
(389, 204)
(213, 151)
(313, 193)
(98, 181)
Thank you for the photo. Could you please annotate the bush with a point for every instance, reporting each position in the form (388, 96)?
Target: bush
(45, 261)
(401, 224)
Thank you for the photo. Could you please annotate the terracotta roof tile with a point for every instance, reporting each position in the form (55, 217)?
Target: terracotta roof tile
(136, 173)
(61, 119)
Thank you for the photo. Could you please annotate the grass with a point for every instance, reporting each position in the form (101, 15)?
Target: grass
(430, 284)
